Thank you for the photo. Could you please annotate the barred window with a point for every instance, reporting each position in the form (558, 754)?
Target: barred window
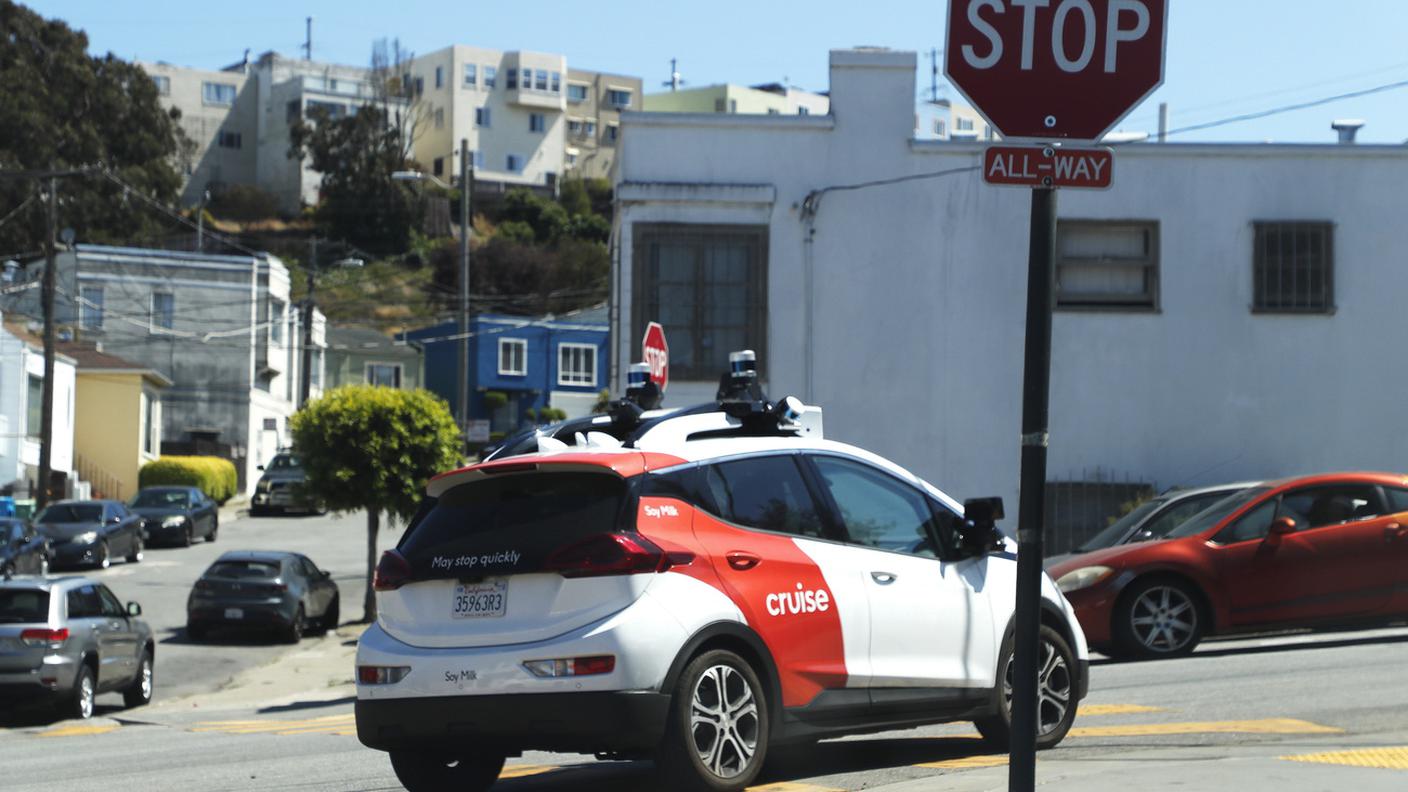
(1293, 268)
(1107, 264)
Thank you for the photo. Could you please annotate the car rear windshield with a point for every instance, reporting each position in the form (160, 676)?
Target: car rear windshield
(511, 522)
(23, 606)
(157, 498)
(243, 569)
(71, 513)
(1117, 530)
(1216, 513)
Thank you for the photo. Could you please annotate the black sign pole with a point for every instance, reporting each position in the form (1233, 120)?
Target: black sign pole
(1036, 381)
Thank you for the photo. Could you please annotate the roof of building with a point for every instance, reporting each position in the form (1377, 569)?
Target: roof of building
(365, 339)
(91, 359)
(21, 331)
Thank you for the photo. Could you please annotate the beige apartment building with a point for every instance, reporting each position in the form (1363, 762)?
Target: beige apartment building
(595, 101)
(219, 111)
(765, 99)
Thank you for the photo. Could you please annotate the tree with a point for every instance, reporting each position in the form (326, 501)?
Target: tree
(63, 108)
(373, 448)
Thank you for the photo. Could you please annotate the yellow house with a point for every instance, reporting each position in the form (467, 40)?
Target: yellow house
(117, 419)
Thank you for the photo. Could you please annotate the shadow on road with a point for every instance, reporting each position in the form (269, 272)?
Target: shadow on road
(307, 705)
(1296, 646)
(176, 636)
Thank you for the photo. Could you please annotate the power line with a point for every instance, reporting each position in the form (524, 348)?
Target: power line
(1291, 108)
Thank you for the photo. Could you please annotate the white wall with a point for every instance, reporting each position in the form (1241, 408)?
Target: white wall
(918, 294)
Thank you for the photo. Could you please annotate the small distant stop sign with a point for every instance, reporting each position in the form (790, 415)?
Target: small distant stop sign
(656, 353)
(1055, 69)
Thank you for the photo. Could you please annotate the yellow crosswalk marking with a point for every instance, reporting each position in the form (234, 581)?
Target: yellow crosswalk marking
(76, 731)
(1380, 758)
(1264, 726)
(522, 771)
(966, 763)
(788, 786)
(1096, 710)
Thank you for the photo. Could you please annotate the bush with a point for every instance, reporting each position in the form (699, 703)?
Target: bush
(215, 477)
(243, 203)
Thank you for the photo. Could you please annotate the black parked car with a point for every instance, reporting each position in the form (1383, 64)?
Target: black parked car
(283, 488)
(263, 590)
(91, 533)
(22, 550)
(176, 515)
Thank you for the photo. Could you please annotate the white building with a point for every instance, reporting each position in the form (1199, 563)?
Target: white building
(21, 410)
(1224, 312)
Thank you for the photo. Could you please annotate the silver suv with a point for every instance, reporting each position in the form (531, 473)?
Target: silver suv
(69, 639)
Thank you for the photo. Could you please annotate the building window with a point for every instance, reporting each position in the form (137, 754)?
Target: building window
(482, 117)
(965, 125)
(1293, 268)
(276, 321)
(491, 76)
(613, 132)
(708, 286)
(220, 94)
(557, 82)
(571, 158)
(318, 109)
(163, 85)
(230, 140)
(514, 163)
(90, 307)
(589, 129)
(293, 112)
(163, 310)
(574, 126)
(513, 357)
(774, 111)
(438, 166)
(511, 78)
(618, 98)
(384, 375)
(34, 410)
(720, 105)
(576, 92)
(477, 157)
(940, 129)
(439, 118)
(540, 81)
(804, 111)
(471, 75)
(576, 364)
(439, 77)
(1107, 264)
(536, 122)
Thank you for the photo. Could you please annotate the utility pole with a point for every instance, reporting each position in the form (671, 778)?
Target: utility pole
(46, 420)
(466, 194)
(308, 41)
(934, 75)
(306, 381)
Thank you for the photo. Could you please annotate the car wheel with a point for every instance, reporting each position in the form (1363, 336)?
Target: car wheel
(7, 571)
(214, 530)
(136, 555)
(187, 537)
(425, 772)
(1158, 618)
(85, 690)
(104, 556)
(1056, 687)
(330, 619)
(293, 633)
(716, 738)
(139, 693)
(43, 565)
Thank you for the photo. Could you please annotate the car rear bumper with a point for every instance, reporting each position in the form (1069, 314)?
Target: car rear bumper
(571, 722)
(254, 616)
(55, 674)
(76, 555)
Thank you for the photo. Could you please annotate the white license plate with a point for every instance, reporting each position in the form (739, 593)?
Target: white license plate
(480, 600)
(234, 613)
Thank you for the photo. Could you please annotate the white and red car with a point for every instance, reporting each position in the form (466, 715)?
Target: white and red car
(692, 586)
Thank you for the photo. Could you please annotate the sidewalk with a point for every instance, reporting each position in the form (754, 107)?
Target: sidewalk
(234, 509)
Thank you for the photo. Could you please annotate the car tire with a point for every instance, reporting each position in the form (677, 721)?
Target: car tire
(187, 537)
(7, 571)
(85, 689)
(135, 557)
(139, 693)
(330, 618)
(43, 565)
(723, 753)
(214, 530)
(1158, 618)
(104, 556)
(293, 633)
(1057, 680)
(196, 632)
(426, 772)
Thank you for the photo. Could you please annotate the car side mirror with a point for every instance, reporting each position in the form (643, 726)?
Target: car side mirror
(979, 534)
(133, 609)
(1282, 526)
(258, 467)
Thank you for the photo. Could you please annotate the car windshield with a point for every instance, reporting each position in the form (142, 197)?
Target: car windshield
(1216, 513)
(243, 569)
(285, 462)
(71, 513)
(1114, 534)
(169, 498)
(23, 606)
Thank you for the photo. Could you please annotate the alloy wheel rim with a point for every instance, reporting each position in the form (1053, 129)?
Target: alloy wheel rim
(1054, 681)
(85, 696)
(723, 721)
(106, 560)
(1163, 619)
(146, 679)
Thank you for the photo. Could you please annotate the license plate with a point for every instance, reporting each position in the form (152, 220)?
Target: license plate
(480, 600)
(234, 613)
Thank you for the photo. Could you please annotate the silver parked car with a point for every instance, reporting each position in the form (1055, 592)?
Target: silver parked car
(68, 639)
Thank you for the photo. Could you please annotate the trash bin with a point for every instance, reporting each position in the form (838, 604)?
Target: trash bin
(7, 506)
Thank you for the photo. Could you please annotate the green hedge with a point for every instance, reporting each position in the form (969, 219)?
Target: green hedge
(215, 476)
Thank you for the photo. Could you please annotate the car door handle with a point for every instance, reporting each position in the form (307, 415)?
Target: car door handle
(742, 561)
(884, 578)
(1394, 531)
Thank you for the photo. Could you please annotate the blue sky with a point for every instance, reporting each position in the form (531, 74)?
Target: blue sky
(1226, 57)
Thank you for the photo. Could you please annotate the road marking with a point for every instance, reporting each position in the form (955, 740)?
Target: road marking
(788, 786)
(1381, 758)
(1264, 726)
(1096, 710)
(966, 763)
(76, 731)
(522, 771)
(333, 724)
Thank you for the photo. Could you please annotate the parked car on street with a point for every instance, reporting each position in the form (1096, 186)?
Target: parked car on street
(1300, 552)
(283, 488)
(23, 551)
(91, 533)
(67, 640)
(176, 515)
(1154, 518)
(693, 585)
(263, 590)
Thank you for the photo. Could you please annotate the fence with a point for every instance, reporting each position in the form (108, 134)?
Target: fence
(102, 483)
(1077, 510)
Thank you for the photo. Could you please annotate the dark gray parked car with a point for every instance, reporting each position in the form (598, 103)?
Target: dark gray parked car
(176, 515)
(69, 639)
(270, 590)
(91, 533)
(283, 488)
(23, 551)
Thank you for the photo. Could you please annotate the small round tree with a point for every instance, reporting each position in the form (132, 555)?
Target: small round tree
(373, 448)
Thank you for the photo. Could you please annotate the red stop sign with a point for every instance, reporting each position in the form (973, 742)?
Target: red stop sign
(1055, 69)
(656, 353)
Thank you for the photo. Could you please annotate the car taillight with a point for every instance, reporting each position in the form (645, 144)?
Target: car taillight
(571, 666)
(381, 675)
(392, 572)
(204, 585)
(44, 637)
(613, 554)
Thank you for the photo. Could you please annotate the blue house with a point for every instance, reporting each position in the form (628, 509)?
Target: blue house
(517, 363)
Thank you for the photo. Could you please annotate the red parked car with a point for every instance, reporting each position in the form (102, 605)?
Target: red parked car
(1314, 550)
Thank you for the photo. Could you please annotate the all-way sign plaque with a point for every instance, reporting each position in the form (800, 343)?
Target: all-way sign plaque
(1049, 166)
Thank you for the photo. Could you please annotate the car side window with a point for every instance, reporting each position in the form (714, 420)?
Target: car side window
(877, 510)
(1320, 507)
(1397, 500)
(1253, 525)
(1179, 514)
(111, 605)
(310, 569)
(84, 603)
(767, 493)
